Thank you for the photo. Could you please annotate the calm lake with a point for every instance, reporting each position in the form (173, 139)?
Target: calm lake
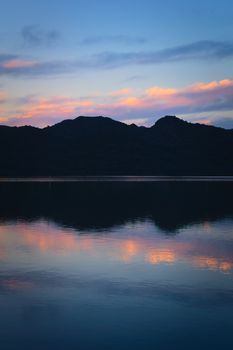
(116, 264)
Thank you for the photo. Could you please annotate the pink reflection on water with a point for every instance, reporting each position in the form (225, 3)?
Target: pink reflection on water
(48, 239)
(15, 284)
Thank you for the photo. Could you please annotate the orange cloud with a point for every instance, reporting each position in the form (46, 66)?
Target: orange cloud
(196, 98)
(121, 92)
(3, 119)
(131, 102)
(213, 85)
(56, 106)
(156, 91)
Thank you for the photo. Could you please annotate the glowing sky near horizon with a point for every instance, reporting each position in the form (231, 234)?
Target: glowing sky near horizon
(131, 60)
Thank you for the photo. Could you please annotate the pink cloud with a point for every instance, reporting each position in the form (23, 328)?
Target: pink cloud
(121, 92)
(202, 121)
(154, 101)
(213, 85)
(14, 64)
(131, 102)
(3, 96)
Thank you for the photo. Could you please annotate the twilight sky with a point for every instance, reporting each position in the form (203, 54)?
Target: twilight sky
(132, 60)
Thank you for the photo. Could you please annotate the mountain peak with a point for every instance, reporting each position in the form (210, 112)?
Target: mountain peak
(84, 117)
(97, 120)
(169, 120)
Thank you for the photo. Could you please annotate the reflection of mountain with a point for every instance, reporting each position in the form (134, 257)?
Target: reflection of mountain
(92, 146)
(102, 205)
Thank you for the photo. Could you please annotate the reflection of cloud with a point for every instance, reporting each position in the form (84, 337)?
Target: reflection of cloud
(129, 249)
(14, 284)
(53, 240)
(48, 239)
(212, 263)
(167, 252)
(2, 253)
(157, 257)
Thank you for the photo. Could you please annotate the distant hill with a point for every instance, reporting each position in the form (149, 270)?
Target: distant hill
(102, 146)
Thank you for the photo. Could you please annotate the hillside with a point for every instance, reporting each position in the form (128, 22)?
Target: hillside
(102, 146)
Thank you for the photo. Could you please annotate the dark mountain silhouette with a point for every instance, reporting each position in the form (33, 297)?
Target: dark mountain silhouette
(102, 146)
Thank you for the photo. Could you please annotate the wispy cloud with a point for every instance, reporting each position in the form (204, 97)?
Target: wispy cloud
(34, 35)
(11, 64)
(7, 57)
(2, 97)
(201, 50)
(215, 96)
(112, 39)
(17, 66)
(224, 122)
(121, 92)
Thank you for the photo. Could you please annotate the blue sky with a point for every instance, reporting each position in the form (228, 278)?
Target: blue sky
(131, 60)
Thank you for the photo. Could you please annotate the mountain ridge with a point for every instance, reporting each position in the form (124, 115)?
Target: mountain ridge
(165, 119)
(103, 146)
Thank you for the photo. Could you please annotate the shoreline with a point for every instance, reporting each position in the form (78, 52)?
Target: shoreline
(118, 179)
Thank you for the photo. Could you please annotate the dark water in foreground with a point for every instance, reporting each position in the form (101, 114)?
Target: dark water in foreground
(116, 265)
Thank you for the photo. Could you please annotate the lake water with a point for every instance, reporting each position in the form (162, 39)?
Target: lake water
(116, 265)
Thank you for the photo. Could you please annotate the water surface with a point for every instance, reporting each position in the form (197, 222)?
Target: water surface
(116, 265)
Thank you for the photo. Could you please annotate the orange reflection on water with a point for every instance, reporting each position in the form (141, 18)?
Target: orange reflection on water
(156, 257)
(212, 263)
(129, 249)
(47, 238)
(47, 241)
